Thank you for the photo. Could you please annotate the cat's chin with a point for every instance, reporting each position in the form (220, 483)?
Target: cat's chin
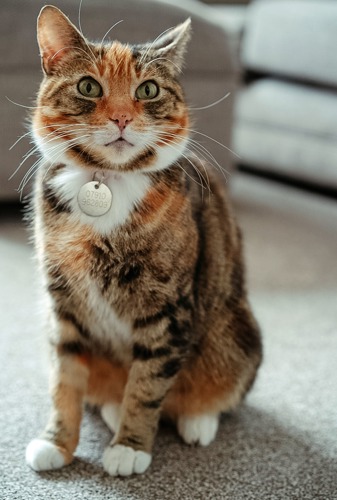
(119, 152)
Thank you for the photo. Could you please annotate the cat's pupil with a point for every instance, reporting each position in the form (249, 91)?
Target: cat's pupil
(147, 90)
(89, 87)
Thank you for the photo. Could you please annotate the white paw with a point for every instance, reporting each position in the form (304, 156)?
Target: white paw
(199, 430)
(43, 455)
(120, 460)
(111, 414)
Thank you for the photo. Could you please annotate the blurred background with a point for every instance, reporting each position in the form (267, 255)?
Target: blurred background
(278, 61)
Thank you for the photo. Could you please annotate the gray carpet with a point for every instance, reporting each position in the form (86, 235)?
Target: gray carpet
(281, 444)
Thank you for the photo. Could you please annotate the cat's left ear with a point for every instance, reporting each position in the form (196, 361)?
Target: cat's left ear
(171, 45)
(57, 37)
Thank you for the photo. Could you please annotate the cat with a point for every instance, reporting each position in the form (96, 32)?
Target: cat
(146, 300)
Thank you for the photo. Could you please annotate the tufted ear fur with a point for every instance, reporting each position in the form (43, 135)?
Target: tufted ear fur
(57, 37)
(171, 45)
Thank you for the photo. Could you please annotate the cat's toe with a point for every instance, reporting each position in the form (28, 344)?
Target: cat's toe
(43, 455)
(111, 414)
(201, 429)
(120, 460)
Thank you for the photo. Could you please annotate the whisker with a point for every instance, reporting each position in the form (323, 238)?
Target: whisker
(164, 59)
(197, 156)
(201, 177)
(110, 29)
(56, 151)
(79, 17)
(211, 139)
(58, 127)
(204, 153)
(207, 155)
(88, 58)
(150, 47)
(81, 31)
(35, 150)
(23, 106)
(212, 104)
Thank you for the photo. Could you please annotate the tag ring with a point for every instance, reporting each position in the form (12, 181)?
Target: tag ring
(99, 180)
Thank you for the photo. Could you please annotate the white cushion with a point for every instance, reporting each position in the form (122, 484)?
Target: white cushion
(294, 38)
(288, 128)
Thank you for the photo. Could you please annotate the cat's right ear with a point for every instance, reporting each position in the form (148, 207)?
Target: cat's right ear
(56, 37)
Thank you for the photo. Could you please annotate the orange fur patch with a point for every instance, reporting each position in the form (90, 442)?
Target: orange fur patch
(195, 392)
(74, 250)
(107, 380)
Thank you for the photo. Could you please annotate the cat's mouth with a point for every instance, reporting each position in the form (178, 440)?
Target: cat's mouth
(120, 142)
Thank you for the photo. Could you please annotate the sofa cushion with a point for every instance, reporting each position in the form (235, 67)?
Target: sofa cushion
(289, 129)
(294, 38)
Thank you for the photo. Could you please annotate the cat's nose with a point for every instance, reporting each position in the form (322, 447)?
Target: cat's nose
(121, 120)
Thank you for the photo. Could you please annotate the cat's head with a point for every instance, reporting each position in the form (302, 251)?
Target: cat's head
(110, 106)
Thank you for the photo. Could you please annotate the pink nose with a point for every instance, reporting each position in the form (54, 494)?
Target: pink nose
(121, 120)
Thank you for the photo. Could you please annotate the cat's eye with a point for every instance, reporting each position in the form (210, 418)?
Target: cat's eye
(89, 87)
(147, 90)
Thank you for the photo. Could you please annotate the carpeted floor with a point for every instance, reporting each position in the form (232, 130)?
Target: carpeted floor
(281, 444)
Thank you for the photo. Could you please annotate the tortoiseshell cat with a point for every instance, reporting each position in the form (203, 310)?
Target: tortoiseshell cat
(148, 315)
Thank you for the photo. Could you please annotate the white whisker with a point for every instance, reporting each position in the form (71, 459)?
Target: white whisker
(210, 138)
(57, 151)
(110, 29)
(56, 126)
(22, 105)
(201, 177)
(203, 152)
(212, 104)
(88, 58)
(81, 31)
(54, 149)
(164, 59)
(151, 45)
(208, 157)
(79, 17)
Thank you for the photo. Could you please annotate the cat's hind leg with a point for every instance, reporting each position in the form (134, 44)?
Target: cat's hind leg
(198, 429)
(196, 402)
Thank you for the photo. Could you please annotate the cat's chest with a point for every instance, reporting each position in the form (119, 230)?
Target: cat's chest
(107, 328)
(75, 255)
(99, 200)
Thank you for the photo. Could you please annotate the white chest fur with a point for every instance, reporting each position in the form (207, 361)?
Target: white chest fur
(106, 326)
(127, 189)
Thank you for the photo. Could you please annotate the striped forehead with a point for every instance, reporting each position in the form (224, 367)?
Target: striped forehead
(118, 63)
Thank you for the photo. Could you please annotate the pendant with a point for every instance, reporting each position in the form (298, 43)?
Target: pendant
(94, 198)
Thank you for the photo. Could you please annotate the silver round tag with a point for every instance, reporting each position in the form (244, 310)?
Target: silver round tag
(94, 198)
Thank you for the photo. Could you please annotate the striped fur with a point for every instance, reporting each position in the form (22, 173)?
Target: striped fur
(147, 303)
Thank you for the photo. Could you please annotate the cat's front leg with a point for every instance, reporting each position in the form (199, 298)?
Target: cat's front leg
(151, 376)
(56, 445)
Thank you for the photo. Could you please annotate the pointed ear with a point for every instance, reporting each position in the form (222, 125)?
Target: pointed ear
(56, 36)
(171, 45)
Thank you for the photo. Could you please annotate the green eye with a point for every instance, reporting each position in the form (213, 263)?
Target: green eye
(147, 90)
(89, 87)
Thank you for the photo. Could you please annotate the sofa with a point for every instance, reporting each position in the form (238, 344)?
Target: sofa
(209, 72)
(286, 113)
